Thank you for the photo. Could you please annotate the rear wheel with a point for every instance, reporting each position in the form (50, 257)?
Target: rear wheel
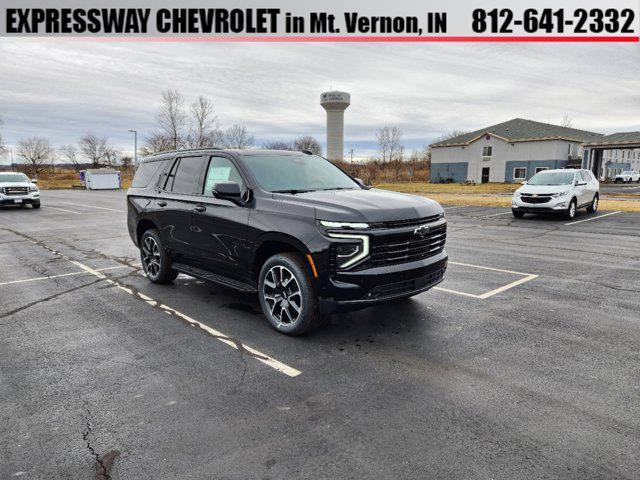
(155, 261)
(517, 214)
(593, 208)
(570, 213)
(287, 294)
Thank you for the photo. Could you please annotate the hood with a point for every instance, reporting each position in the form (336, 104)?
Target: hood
(16, 184)
(367, 205)
(544, 189)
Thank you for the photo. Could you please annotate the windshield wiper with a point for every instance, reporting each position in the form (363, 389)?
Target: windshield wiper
(292, 191)
(337, 188)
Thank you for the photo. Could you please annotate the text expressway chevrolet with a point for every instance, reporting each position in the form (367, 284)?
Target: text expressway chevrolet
(291, 226)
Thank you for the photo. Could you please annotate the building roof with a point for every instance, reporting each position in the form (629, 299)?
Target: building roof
(621, 138)
(521, 130)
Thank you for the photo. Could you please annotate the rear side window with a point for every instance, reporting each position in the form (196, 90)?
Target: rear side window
(585, 176)
(145, 174)
(185, 175)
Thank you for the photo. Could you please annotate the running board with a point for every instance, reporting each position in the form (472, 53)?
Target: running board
(213, 277)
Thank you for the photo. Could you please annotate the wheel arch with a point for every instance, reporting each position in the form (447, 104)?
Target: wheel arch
(271, 244)
(142, 226)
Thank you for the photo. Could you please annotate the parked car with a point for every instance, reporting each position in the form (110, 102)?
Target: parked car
(627, 177)
(294, 228)
(17, 189)
(557, 191)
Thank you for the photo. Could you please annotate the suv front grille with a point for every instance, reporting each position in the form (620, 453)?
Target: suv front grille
(529, 198)
(404, 223)
(16, 190)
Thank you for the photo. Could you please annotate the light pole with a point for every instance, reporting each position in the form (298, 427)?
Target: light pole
(135, 146)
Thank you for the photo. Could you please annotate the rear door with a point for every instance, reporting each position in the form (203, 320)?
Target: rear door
(175, 204)
(588, 190)
(219, 227)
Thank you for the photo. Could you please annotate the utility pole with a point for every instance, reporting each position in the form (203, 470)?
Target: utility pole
(135, 147)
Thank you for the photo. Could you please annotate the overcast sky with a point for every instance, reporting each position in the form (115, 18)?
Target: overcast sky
(62, 88)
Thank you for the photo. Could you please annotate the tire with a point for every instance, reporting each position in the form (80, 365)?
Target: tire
(155, 261)
(570, 212)
(288, 294)
(593, 208)
(517, 214)
(35, 205)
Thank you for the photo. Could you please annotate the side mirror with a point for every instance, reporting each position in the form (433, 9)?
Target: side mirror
(34, 180)
(228, 191)
(360, 182)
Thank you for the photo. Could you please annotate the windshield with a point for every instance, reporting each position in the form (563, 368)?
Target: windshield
(297, 173)
(13, 177)
(551, 178)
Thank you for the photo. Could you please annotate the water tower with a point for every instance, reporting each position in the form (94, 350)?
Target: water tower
(335, 103)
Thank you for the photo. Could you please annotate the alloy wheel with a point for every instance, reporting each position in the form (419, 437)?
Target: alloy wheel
(282, 295)
(572, 210)
(151, 256)
(594, 206)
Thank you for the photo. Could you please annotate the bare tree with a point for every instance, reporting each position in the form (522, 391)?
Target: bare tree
(94, 148)
(156, 143)
(308, 143)
(389, 145)
(566, 121)
(70, 154)
(36, 152)
(237, 137)
(205, 130)
(172, 119)
(111, 155)
(278, 145)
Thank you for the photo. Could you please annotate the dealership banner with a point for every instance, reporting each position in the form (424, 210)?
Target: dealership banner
(330, 21)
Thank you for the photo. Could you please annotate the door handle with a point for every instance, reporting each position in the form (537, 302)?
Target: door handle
(200, 208)
(162, 203)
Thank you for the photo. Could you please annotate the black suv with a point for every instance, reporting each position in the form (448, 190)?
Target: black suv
(291, 226)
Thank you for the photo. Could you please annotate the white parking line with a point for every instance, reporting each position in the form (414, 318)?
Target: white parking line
(61, 209)
(457, 206)
(258, 355)
(527, 277)
(593, 218)
(495, 214)
(49, 277)
(92, 206)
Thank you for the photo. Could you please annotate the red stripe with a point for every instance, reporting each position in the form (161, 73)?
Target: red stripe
(367, 39)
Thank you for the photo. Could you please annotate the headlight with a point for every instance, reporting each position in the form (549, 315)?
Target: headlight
(350, 253)
(355, 226)
(559, 194)
(33, 188)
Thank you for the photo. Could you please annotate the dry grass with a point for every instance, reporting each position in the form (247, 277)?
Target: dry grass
(453, 188)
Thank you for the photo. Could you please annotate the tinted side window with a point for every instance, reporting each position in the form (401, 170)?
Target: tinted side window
(185, 175)
(145, 174)
(221, 170)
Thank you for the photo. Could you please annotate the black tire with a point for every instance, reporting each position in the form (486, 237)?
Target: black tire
(517, 214)
(155, 261)
(570, 212)
(291, 308)
(593, 208)
(35, 205)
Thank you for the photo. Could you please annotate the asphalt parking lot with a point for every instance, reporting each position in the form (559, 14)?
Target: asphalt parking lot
(522, 364)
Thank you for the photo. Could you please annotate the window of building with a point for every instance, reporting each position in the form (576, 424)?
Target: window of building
(487, 151)
(519, 173)
(540, 169)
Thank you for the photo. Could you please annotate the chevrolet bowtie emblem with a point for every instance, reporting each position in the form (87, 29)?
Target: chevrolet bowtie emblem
(421, 230)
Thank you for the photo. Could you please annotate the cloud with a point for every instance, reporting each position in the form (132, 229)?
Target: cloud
(62, 88)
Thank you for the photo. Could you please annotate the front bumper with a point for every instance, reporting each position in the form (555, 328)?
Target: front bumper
(353, 290)
(558, 204)
(30, 199)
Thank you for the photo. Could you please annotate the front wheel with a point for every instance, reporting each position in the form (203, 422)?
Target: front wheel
(517, 214)
(287, 294)
(35, 205)
(593, 208)
(155, 261)
(570, 213)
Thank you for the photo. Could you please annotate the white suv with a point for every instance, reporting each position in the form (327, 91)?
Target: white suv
(627, 177)
(17, 189)
(557, 191)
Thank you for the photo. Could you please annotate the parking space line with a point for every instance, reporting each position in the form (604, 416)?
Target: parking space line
(456, 206)
(495, 214)
(61, 209)
(93, 206)
(240, 346)
(526, 278)
(49, 277)
(593, 218)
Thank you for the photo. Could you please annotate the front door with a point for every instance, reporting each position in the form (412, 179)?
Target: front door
(219, 227)
(485, 174)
